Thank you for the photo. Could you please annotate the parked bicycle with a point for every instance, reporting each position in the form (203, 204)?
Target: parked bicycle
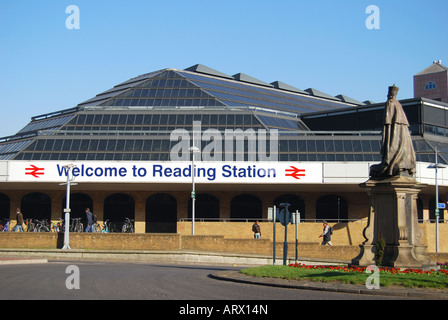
(5, 227)
(30, 225)
(128, 226)
(105, 228)
(42, 226)
(96, 227)
(58, 226)
(76, 225)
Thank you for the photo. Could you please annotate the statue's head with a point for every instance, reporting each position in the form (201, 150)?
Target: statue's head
(393, 90)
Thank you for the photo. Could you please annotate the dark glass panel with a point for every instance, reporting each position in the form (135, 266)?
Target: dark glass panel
(356, 146)
(131, 119)
(97, 119)
(111, 144)
(138, 145)
(348, 147)
(114, 119)
(338, 146)
(93, 145)
(89, 119)
(320, 145)
(40, 145)
(75, 145)
(366, 146)
(329, 145)
(129, 146)
(66, 146)
(49, 145)
(106, 119)
(155, 119)
(311, 145)
(57, 145)
(120, 145)
(292, 145)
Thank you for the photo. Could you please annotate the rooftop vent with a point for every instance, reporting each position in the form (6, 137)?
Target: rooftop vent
(283, 86)
(320, 94)
(245, 78)
(348, 99)
(199, 68)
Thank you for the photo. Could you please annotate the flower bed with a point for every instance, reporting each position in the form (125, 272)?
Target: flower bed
(442, 271)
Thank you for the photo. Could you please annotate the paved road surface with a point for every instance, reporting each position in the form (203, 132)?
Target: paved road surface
(137, 281)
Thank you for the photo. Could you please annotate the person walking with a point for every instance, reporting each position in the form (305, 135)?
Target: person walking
(19, 218)
(326, 234)
(89, 216)
(257, 230)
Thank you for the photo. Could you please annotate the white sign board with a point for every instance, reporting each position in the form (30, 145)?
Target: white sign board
(166, 172)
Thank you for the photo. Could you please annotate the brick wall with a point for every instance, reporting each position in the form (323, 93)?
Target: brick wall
(344, 233)
(235, 238)
(174, 242)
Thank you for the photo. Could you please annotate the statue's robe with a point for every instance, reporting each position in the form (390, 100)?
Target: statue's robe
(397, 151)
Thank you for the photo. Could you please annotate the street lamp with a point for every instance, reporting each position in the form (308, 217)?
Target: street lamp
(437, 166)
(68, 167)
(193, 150)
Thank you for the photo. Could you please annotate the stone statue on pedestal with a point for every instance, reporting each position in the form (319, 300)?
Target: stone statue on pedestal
(393, 192)
(398, 155)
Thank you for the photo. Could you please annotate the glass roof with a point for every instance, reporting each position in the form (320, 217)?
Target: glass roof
(171, 88)
(133, 121)
(241, 93)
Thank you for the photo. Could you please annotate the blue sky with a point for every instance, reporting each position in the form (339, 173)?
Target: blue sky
(323, 44)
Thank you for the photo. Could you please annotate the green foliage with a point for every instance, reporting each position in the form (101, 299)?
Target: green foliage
(380, 247)
(412, 278)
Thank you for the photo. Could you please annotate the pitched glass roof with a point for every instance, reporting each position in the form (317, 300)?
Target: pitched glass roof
(133, 121)
(170, 87)
(236, 93)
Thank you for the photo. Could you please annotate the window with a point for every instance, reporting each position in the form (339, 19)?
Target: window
(430, 85)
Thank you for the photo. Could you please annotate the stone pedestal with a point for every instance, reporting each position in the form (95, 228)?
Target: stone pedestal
(393, 217)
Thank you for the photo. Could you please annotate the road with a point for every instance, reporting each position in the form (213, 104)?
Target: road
(138, 281)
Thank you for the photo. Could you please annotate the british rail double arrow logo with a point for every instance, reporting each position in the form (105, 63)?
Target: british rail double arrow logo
(34, 171)
(294, 172)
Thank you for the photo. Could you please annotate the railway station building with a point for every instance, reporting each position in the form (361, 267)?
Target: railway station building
(257, 144)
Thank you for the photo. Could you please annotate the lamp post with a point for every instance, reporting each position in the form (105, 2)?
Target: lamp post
(437, 166)
(193, 150)
(68, 167)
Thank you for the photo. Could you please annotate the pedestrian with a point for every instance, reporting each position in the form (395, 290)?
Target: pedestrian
(19, 218)
(257, 230)
(89, 216)
(326, 234)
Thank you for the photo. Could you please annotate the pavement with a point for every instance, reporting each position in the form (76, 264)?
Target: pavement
(43, 256)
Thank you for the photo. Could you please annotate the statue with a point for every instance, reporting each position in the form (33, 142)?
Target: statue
(393, 193)
(398, 155)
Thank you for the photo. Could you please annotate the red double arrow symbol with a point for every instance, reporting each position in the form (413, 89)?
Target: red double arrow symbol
(34, 171)
(294, 172)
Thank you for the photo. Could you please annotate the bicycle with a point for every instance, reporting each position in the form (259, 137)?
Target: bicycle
(5, 228)
(96, 227)
(42, 226)
(105, 228)
(58, 226)
(128, 226)
(30, 225)
(76, 225)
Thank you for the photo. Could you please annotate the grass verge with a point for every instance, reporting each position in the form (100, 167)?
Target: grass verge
(388, 277)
